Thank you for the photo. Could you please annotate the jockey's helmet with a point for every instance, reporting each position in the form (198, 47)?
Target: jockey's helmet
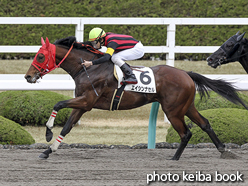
(96, 34)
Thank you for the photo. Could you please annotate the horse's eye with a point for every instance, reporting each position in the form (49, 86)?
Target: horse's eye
(229, 45)
(40, 58)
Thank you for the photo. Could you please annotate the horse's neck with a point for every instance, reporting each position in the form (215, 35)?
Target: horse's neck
(244, 60)
(244, 63)
(72, 64)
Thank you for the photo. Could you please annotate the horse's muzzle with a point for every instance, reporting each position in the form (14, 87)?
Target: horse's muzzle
(212, 63)
(30, 79)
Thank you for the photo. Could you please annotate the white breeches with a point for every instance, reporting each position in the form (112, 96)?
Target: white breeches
(129, 54)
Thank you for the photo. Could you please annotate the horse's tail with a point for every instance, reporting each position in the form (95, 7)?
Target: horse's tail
(221, 87)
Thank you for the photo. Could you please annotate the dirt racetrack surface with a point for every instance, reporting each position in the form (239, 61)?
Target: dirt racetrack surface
(122, 167)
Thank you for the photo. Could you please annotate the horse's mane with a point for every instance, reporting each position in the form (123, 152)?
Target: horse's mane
(86, 46)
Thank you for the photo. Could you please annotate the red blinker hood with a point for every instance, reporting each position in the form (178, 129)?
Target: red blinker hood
(49, 51)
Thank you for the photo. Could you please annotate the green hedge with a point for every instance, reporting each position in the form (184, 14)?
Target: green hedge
(216, 101)
(230, 125)
(150, 35)
(32, 107)
(13, 134)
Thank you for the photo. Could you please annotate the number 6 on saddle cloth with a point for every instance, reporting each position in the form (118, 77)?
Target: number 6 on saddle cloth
(146, 84)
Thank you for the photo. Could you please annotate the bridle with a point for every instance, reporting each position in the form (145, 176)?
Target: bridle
(224, 60)
(234, 53)
(50, 63)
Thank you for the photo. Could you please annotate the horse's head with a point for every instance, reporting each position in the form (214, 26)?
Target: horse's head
(229, 51)
(43, 62)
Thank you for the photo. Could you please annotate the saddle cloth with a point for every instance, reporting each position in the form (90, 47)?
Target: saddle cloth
(145, 78)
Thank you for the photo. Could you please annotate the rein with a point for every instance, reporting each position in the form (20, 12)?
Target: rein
(92, 50)
(80, 71)
(57, 66)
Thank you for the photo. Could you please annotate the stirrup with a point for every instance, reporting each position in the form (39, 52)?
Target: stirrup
(127, 81)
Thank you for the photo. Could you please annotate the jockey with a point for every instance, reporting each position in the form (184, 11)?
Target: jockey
(119, 49)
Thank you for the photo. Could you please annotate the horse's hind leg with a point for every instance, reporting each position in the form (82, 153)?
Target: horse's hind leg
(203, 123)
(175, 108)
(184, 133)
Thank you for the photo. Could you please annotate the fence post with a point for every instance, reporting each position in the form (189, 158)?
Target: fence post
(79, 31)
(152, 126)
(170, 42)
(170, 57)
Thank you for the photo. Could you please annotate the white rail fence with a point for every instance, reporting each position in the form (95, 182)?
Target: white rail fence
(64, 82)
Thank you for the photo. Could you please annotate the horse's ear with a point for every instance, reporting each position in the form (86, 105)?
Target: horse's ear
(42, 41)
(47, 42)
(237, 33)
(240, 37)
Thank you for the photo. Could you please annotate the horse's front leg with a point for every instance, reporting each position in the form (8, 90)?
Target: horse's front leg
(49, 126)
(80, 102)
(50, 122)
(80, 105)
(74, 117)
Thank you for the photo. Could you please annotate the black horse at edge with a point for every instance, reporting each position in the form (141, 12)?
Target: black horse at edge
(234, 49)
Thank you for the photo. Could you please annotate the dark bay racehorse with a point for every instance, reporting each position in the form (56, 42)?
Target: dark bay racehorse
(175, 91)
(234, 49)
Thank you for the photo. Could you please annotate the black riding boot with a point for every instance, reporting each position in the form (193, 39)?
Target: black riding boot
(129, 75)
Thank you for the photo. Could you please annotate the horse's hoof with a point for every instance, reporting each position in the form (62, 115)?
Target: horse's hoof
(49, 135)
(43, 156)
(174, 159)
(228, 155)
(49, 138)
